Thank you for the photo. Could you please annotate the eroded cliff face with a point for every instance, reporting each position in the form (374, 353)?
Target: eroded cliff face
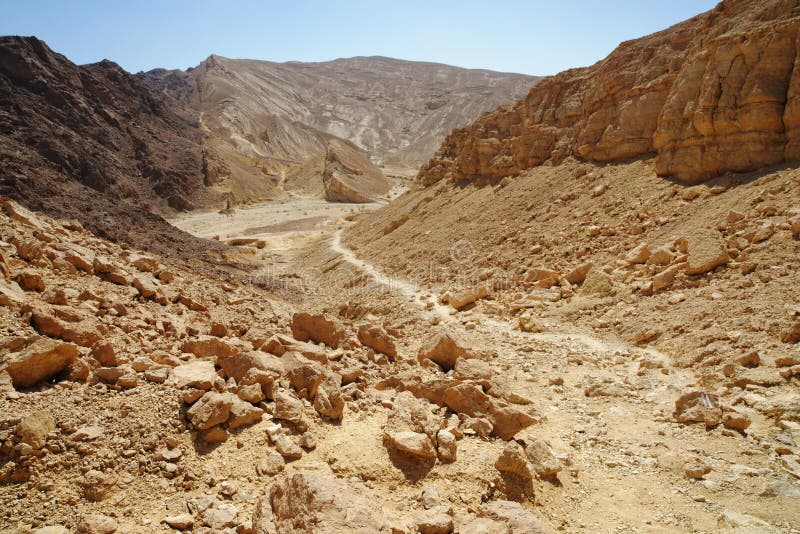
(714, 94)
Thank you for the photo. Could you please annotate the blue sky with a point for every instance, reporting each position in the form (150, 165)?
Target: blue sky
(534, 37)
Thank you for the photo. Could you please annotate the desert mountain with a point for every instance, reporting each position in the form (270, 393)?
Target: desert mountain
(95, 144)
(260, 118)
(714, 94)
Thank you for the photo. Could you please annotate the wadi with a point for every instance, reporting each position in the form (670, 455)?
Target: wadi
(376, 295)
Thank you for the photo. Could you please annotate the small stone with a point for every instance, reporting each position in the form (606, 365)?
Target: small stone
(695, 468)
(180, 521)
(288, 448)
(97, 524)
(271, 465)
(88, 433)
(308, 441)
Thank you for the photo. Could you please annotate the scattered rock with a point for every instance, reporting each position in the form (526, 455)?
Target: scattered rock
(39, 360)
(444, 349)
(212, 409)
(34, 428)
(377, 339)
(317, 328)
(706, 251)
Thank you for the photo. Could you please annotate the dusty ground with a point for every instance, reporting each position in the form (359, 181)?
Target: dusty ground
(610, 420)
(604, 404)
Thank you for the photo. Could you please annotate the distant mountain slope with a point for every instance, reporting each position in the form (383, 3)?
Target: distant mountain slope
(717, 93)
(260, 118)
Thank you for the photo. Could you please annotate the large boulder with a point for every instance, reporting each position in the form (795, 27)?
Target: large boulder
(317, 501)
(238, 365)
(318, 328)
(212, 409)
(376, 338)
(200, 374)
(706, 250)
(444, 349)
(40, 359)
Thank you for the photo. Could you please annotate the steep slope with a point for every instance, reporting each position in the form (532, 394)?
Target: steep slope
(95, 124)
(714, 94)
(702, 273)
(261, 118)
(94, 143)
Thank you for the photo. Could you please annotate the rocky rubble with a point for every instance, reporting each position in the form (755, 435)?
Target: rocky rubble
(170, 353)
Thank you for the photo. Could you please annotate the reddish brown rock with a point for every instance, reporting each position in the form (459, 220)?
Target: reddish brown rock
(716, 93)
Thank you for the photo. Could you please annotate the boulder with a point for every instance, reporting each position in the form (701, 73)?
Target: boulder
(11, 295)
(664, 279)
(544, 278)
(542, 459)
(280, 344)
(78, 328)
(243, 413)
(30, 280)
(34, 428)
(706, 251)
(147, 287)
(446, 445)
(470, 399)
(287, 448)
(211, 409)
(182, 521)
(444, 349)
(200, 374)
(105, 353)
(376, 338)
(97, 524)
(288, 408)
(318, 328)
(598, 283)
(329, 402)
(578, 275)
(698, 407)
(434, 521)
(40, 359)
(638, 254)
(517, 519)
(461, 299)
(414, 444)
(317, 501)
(513, 461)
(81, 257)
(238, 365)
(209, 347)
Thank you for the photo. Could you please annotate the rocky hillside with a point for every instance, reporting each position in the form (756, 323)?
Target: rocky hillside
(260, 118)
(94, 124)
(715, 94)
(94, 143)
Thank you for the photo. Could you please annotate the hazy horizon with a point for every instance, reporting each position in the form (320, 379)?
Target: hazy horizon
(510, 36)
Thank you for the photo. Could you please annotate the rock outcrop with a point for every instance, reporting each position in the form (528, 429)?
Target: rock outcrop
(340, 173)
(717, 93)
